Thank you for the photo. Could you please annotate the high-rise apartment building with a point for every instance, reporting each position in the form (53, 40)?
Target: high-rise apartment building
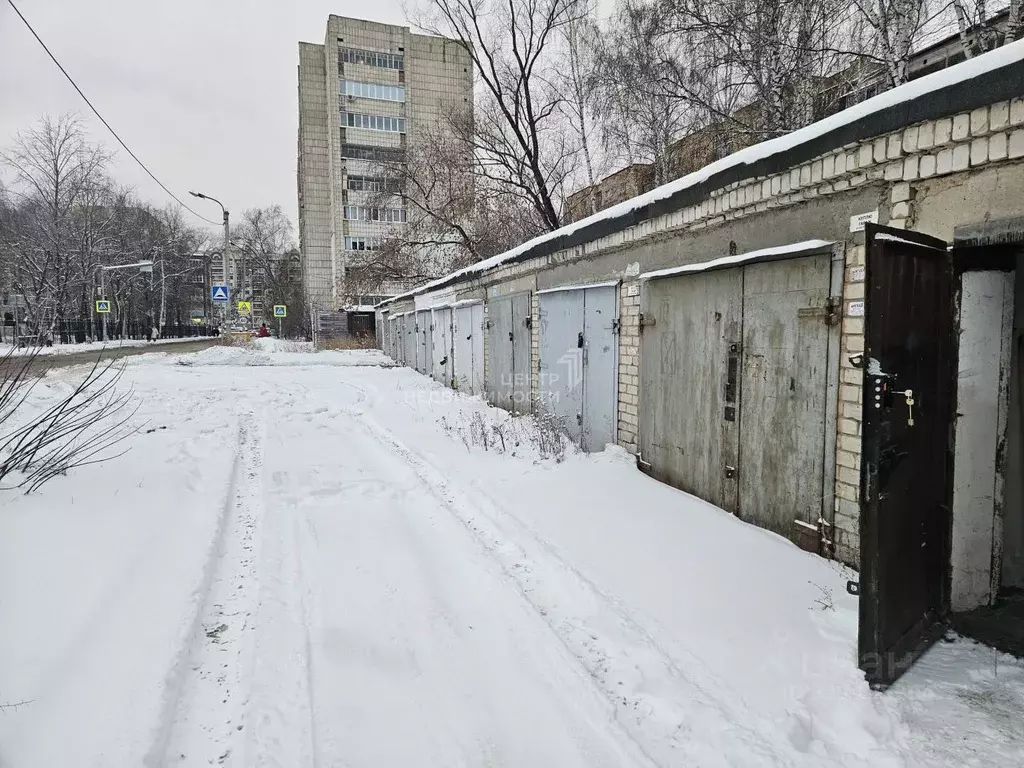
(367, 95)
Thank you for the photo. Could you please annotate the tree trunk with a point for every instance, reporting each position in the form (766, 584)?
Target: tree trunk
(1015, 22)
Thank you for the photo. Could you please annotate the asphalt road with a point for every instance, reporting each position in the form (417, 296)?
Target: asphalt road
(43, 363)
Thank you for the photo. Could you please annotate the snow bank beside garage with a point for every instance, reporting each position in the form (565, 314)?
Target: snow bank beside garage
(271, 352)
(718, 643)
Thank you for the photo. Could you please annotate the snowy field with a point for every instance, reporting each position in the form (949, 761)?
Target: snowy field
(312, 560)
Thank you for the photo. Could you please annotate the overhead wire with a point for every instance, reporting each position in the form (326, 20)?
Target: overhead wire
(103, 120)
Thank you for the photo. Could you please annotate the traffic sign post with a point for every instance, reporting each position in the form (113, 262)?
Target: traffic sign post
(280, 312)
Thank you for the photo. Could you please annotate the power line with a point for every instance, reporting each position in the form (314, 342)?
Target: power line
(102, 120)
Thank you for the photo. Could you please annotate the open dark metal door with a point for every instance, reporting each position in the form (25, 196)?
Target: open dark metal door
(906, 449)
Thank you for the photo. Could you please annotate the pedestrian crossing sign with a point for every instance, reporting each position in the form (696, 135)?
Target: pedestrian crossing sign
(103, 307)
(280, 310)
(245, 307)
(219, 292)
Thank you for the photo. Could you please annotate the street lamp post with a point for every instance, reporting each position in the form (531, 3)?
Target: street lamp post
(227, 228)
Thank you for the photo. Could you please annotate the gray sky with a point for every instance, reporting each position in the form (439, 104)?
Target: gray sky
(203, 91)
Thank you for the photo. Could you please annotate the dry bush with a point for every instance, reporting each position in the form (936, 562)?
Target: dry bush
(81, 428)
(349, 342)
(541, 437)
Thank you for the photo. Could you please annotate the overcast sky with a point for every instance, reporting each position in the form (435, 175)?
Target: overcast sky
(203, 91)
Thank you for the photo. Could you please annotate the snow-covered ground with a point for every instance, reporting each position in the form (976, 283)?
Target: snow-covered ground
(311, 559)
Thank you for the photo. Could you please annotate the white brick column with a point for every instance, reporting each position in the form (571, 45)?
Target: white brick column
(847, 507)
(629, 366)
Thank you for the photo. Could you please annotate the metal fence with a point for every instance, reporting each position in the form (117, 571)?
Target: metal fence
(82, 331)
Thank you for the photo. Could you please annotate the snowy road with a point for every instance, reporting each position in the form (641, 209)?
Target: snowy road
(382, 634)
(316, 563)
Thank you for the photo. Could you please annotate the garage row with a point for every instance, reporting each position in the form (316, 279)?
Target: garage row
(739, 365)
(738, 373)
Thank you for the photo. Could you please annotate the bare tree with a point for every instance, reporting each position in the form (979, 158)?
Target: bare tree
(1015, 21)
(578, 80)
(517, 139)
(757, 68)
(977, 33)
(895, 24)
(266, 238)
(55, 169)
(83, 427)
(640, 113)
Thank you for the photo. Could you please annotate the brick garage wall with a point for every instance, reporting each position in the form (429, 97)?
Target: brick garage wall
(629, 366)
(846, 534)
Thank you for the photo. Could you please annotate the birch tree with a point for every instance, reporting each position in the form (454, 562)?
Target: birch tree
(895, 24)
(579, 81)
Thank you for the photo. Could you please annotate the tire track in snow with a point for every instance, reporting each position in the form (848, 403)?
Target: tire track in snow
(438, 488)
(206, 688)
(682, 722)
(279, 723)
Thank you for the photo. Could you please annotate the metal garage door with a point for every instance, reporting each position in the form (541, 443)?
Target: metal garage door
(736, 371)
(423, 341)
(578, 355)
(560, 393)
(409, 358)
(468, 348)
(442, 346)
(785, 367)
(508, 352)
(688, 413)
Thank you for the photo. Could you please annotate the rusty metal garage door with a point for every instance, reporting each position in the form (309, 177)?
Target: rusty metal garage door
(738, 376)
(508, 352)
(689, 395)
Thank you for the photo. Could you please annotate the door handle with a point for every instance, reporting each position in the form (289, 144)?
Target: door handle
(579, 341)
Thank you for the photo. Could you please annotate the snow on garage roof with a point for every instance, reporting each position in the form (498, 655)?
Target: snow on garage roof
(761, 254)
(982, 80)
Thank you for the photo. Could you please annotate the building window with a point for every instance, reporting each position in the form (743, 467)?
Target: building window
(374, 184)
(373, 91)
(373, 122)
(372, 213)
(373, 154)
(361, 244)
(373, 58)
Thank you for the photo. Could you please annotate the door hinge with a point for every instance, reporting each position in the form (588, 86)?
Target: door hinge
(528, 322)
(645, 321)
(615, 325)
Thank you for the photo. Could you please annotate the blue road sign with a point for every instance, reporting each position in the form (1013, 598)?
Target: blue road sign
(220, 292)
